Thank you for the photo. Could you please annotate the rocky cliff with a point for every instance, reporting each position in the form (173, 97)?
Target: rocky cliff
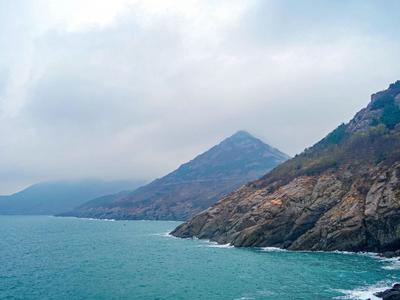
(341, 194)
(194, 186)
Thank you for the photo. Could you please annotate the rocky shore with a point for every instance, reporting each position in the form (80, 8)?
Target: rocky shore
(390, 294)
(342, 194)
(390, 254)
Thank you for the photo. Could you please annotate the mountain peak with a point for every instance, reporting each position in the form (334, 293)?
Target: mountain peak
(193, 186)
(241, 138)
(246, 143)
(241, 134)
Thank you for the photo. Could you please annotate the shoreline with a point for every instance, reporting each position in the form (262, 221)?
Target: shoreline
(381, 255)
(384, 254)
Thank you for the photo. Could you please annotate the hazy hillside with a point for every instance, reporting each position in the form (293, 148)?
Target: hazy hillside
(194, 186)
(56, 197)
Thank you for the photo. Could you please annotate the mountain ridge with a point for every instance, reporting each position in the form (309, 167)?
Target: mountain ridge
(55, 197)
(194, 185)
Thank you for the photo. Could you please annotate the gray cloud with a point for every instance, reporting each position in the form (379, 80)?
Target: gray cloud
(4, 75)
(135, 97)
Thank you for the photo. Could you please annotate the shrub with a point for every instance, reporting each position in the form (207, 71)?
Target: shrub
(391, 116)
(336, 136)
(382, 102)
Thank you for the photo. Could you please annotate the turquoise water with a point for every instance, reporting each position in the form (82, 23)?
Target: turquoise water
(66, 258)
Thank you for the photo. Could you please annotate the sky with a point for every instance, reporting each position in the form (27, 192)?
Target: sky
(130, 89)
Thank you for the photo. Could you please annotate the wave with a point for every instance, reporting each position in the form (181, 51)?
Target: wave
(212, 244)
(390, 263)
(94, 219)
(272, 249)
(204, 243)
(87, 219)
(366, 292)
(393, 263)
(216, 245)
(165, 234)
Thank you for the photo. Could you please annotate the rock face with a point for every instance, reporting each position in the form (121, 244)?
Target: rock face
(194, 186)
(341, 194)
(390, 294)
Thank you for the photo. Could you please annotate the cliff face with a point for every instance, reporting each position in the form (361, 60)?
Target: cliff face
(341, 194)
(194, 186)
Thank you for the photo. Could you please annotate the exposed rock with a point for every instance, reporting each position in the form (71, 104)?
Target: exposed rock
(341, 194)
(390, 294)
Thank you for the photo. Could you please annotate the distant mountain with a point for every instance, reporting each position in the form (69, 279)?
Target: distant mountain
(49, 198)
(194, 186)
(341, 194)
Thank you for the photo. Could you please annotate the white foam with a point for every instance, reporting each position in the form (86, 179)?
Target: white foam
(212, 244)
(369, 254)
(216, 245)
(94, 219)
(393, 263)
(165, 234)
(364, 293)
(272, 249)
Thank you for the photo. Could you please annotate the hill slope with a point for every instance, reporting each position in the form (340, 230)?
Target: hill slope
(49, 198)
(194, 186)
(341, 194)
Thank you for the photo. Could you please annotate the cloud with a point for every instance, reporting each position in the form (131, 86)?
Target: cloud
(131, 89)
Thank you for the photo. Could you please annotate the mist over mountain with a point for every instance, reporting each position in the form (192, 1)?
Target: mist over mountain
(194, 186)
(49, 198)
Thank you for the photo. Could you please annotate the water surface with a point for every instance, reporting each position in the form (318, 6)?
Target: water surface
(43, 257)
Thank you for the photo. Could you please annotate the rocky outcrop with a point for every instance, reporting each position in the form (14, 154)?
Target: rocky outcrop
(194, 186)
(341, 194)
(390, 294)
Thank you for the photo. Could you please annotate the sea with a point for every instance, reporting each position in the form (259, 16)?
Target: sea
(45, 257)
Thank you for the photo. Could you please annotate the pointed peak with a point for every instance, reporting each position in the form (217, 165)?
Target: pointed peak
(241, 138)
(241, 134)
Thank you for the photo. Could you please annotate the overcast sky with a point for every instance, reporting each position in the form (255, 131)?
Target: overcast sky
(130, 89)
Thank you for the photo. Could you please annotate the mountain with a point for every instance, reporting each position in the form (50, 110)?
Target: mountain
(341, 194)
(194, 186)
(49, 198)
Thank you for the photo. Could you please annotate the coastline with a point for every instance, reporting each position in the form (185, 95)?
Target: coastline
(395, 255)
(374, 291)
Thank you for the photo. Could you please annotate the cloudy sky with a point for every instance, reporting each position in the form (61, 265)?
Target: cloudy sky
(117, 89)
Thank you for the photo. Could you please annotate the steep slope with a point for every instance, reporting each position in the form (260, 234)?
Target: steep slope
(49, 198)
(194, 186)
(341, 194)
